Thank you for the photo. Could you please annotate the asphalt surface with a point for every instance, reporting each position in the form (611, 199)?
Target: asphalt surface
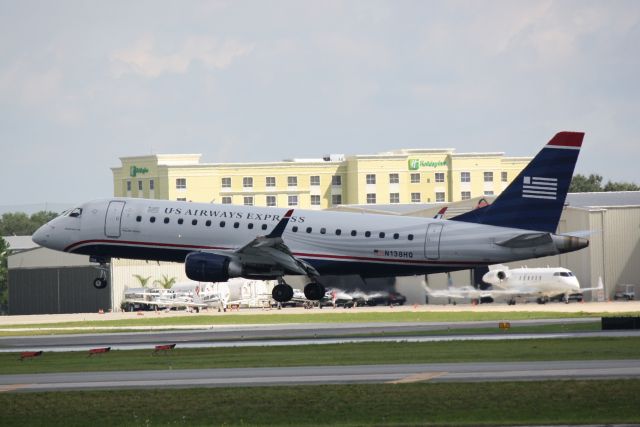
(274, 334)
(233, 377)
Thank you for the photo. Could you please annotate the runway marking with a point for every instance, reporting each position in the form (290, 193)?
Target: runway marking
(423, 376)
(11, 387)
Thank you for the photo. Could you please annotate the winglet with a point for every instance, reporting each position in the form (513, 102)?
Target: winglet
(440, 213)
(279, 228)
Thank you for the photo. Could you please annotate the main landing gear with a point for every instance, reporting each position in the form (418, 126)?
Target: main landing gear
(314, 291)
(100, 282)
(283, 292)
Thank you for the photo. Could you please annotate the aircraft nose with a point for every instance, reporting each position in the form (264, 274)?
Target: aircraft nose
(42, 235)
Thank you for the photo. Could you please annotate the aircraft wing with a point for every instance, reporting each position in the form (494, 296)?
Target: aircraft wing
(176, 303)
(271, 250)
(457, 292)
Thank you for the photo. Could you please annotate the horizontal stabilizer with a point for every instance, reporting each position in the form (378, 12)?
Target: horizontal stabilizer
(527, 240)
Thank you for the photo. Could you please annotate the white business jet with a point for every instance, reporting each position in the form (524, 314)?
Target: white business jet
(541, 283)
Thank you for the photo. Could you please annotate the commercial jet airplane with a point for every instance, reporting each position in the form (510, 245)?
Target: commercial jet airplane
(218, 242)
(542, 283)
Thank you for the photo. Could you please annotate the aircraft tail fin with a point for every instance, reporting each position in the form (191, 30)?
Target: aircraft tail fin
(534, 199)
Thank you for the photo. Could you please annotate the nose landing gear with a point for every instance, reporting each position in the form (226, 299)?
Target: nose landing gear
(100, 282)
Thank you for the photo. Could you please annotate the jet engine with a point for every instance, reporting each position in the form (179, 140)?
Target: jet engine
(496, 276)
(207, 267)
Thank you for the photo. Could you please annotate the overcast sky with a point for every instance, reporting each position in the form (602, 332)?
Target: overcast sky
(84, 83)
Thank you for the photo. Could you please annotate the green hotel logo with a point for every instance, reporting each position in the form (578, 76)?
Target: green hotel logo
(415, 164)
(134, 170)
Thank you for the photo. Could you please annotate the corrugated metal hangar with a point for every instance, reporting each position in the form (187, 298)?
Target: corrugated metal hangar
(44, 281)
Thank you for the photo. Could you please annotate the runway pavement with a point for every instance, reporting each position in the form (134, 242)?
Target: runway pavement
(281, 334)
(233, 377)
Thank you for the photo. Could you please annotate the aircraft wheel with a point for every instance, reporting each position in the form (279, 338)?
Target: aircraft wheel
(100, 283)
(282, 293)
(314, 291)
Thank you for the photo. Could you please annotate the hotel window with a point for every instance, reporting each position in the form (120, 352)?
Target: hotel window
(488, 193)
(226, 200)
(439, 176)
(439, 196)
(139, 185)
(371, 178)
(292, 181)
(504, 176)
(415, 178)
(226, 182)
(128, 185)
(488, 177)
(292, 200)
(371, 198)
(465, 176)
(314, 180)
(336, 199)
(248, 201)
(271, 200)
(394, 178)
(271, 181)
(336, 180)
(181, 199)
(465, 195)
(394, 197)
(315, 200)
(152, 185)
(181, 183)
(247, 182)
(415, 197)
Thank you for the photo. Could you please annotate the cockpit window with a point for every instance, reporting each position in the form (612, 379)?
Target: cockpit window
(76, 212)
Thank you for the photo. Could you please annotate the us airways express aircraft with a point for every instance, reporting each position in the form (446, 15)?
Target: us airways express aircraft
(218, 242)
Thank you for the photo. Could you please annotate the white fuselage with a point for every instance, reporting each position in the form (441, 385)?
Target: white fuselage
(548, 282)
(332, 242)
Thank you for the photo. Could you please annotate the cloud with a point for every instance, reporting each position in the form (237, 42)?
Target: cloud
(143, 58)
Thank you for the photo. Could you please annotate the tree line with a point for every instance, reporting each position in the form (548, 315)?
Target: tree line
(593, 183)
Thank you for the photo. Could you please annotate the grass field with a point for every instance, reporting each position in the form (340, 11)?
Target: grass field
(445, 404)
(330, 354)
(330, 316)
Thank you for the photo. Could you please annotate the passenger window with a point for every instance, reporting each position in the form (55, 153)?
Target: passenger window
(152, 219)
(381, 235)
(323, 230)
(410, 237)
(367, 234)
(208, 223)
(294, 228)
(236, 224)
(194, 222)
(396, 236)
(338, 232)
(222, 223)
(166, 220)
(250, 226)
(180, 221)
(309, 229)
(264, 226)
(138, 218)
(354, 233)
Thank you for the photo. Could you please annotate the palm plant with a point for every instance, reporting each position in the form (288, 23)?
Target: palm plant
(166, 281)
(143, 280)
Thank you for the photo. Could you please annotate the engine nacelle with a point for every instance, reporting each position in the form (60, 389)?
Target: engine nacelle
(494, 277)
(206, 267)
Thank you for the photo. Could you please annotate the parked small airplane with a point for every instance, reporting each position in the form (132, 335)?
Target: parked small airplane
(218, 242)
(542, 283)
